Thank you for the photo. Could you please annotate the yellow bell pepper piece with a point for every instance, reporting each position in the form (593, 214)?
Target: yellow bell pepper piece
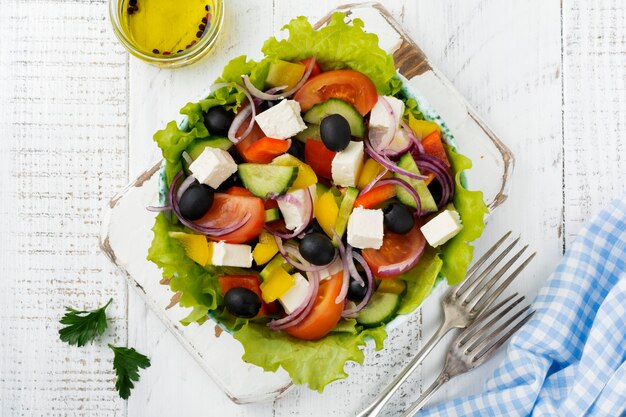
(422, 128)
(306, 176)
(265, 250)
(393, 286)
(276, 285)
(370, 170)
(326, 212)
(196, 246)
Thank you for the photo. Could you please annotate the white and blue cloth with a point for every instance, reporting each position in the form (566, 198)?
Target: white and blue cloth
(570, 359)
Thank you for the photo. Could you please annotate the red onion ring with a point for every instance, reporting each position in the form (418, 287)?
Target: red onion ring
(156, 209)
(353, 272)
(401, 267)
(381, 142)
(417, 142)
(210, 231)
(352, 312)
(287, 198)
(442, 173)
(187, 158)
(303, 309)
(183, 187)
(374, 181)
(241, 116)
(384, 161)
(398, 182)
(308, 206)
(268, 96)
(396, 153)
(286, 250)
(346, 269)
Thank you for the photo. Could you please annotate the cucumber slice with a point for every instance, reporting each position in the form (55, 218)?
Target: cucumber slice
(197, 147)
(312, 132)
(337, 106)
(271, 215)
(277, 262)
(261, 179)
(345, 209)
(428, 202)
(380, 310)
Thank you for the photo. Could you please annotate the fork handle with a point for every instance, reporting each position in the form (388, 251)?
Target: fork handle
(376, 406)
(417, 405)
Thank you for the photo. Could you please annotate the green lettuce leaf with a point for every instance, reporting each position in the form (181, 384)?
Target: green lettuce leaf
(199, 287)
(315, 363)
(337, 45)
(457, 253)
(420, 280)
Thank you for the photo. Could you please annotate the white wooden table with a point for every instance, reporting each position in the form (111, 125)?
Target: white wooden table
(77, 116)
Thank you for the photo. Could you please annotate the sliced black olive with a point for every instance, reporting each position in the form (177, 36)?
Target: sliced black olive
(317, 249)
(196, 201)
(218, 120)
(435, 190)
(335, 132)
(242, 302)
(398, 218)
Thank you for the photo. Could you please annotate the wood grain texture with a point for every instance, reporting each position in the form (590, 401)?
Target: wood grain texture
(78, 117)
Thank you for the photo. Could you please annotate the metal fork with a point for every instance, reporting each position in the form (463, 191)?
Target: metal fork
(462, 304)
(477, 343)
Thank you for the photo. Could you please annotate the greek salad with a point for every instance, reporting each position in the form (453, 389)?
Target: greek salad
(309, 202)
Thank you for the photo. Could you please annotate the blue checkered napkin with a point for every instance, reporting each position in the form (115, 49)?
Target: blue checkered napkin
(570, 359)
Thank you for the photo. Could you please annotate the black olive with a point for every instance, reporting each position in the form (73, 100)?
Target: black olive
(242, 302)
(317, 249)
(296, 149)
(196, 201)
(356, 292)
(335, 132)
(314, 227)
(435, 189)
(398, 218)
(232, 181)
(218, 120)
(268, 104)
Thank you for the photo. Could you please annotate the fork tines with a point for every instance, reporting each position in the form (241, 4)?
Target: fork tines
(475, 290)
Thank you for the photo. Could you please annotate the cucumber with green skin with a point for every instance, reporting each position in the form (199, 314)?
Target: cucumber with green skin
(428, 203)
(271, 215)
(263, 180)
(277, 262)
(345, 209)
(337, 106)
(380, 310)
(198, 146)
(312, 132)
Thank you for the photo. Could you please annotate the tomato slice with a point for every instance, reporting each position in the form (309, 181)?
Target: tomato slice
(347, 85)
(395, 249)
(255, 134)
(265, 149)
(250, 282)
(325, 313)
(316, 68)
(376, 196)
(434, 146)
(240, 191)
(228, 209)
(319, 157)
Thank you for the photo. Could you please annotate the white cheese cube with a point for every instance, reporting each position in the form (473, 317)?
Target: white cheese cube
(213, 167)
(294, 211)
(229, 254)
(333, 268)
(347, 164)
(281, 121)
(379, 117)
(296, 294)
(442, 228)
(365, 228)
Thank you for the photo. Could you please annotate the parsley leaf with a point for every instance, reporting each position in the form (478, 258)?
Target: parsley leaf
(126, 363)
(83, 326)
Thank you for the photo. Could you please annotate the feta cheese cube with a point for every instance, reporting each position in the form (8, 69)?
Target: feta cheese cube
(296, 294)
(333, 268)
(346, 165)
(294, 211)
(442, 227)
(365, 228)
(229, 254)
(379, 117)
(281, 121)
(213, 167)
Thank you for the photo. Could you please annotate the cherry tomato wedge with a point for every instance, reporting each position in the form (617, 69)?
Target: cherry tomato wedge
(325, 313)
(376, 196)
(316, 68)
(265, 149)
(319, 157)
(240, 191)
(347, 85)
(250, 282)
(395, 249)
(228, 209)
